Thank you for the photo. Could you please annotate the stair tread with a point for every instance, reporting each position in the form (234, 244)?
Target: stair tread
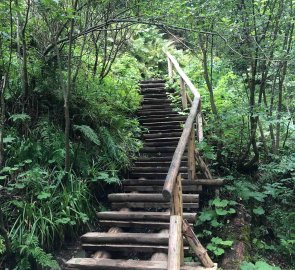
(147, 182)
(152, 197)
(111, 264)
(151, 205)
(141, 215)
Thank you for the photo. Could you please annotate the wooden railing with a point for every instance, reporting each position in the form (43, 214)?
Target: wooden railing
(188, 135)
(172, 189)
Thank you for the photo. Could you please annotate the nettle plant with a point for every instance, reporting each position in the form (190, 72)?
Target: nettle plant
(213, 218)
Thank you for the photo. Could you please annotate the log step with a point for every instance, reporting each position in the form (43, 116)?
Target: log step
(155, 149)
(154, 197)
(125, 238)
(153, 175)
(159, 182)
(152, 85)
(164, 119)
(109, 264)
(159, 189)
(142, 216)
(161, 135)
(163, 123)
(151, 205)
(156, 169)
(152, 81)
(150, 101)
(161, 143)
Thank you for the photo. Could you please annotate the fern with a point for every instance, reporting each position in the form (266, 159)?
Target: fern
(31, 251)
(21, 117)
(88, 132)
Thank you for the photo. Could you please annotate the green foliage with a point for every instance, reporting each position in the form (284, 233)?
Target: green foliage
(217, 245)
(211, 220)
(89, 133)
(259, 265)
(29, 250)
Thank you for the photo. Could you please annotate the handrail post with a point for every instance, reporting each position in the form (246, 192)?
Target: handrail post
(176, 250)
(170, 68)
(183, 94)
(199, 122)
(191, 155)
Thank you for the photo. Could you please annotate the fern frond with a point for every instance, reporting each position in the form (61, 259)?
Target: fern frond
(88, 132)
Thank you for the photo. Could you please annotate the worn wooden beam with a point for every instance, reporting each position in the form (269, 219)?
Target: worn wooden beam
(196, 245)
(203, 166)
(176, 160)
(174, 249)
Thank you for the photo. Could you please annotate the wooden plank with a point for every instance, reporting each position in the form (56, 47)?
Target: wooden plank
(183, 76)
(107, 264)
(139, 248)
(160, 182)
(196, 245)
(175, 237)
(155, 197)
(191, 163)
(125, 238)
(183, 94)
(159, 188)
(142, 216)
(176, 161)
(151, 205)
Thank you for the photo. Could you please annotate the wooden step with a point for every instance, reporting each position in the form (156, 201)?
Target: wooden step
(159, 189)
(155, 158)
(156, 95)
(152, 175)
(161, 144)
(110, 264)
(155, 163)
(157, 182)
(125, 238)
(163, 123)
(179, 118)
(161, 135)
(156, 169)
(154, 101)
(151, 115)
(166, 131)
(156, 107)
(152, 81)
(127, 249)
(151, 205)
(142, 216)
(154, 197)
(157, 149)
(157, 112)
(152, 85)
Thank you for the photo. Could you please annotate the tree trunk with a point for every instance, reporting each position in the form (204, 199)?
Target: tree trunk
(2, 118)
(237, 230)
(67, 93)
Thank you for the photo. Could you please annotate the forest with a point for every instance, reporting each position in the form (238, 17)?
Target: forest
(69, 129)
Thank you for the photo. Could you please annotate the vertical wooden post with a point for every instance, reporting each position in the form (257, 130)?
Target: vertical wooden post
(183, 93)
(174, 249)
(175, 233)
(199, 122)
(191, 155)
(170, 68)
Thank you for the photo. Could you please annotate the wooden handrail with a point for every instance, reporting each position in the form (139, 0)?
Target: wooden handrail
(177, 156)
(181, 73)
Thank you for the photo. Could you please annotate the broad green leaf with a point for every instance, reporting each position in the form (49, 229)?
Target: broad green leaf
(258, 211)
(43, 195)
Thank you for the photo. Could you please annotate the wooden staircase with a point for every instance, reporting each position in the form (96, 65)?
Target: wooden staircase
(145, 219)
